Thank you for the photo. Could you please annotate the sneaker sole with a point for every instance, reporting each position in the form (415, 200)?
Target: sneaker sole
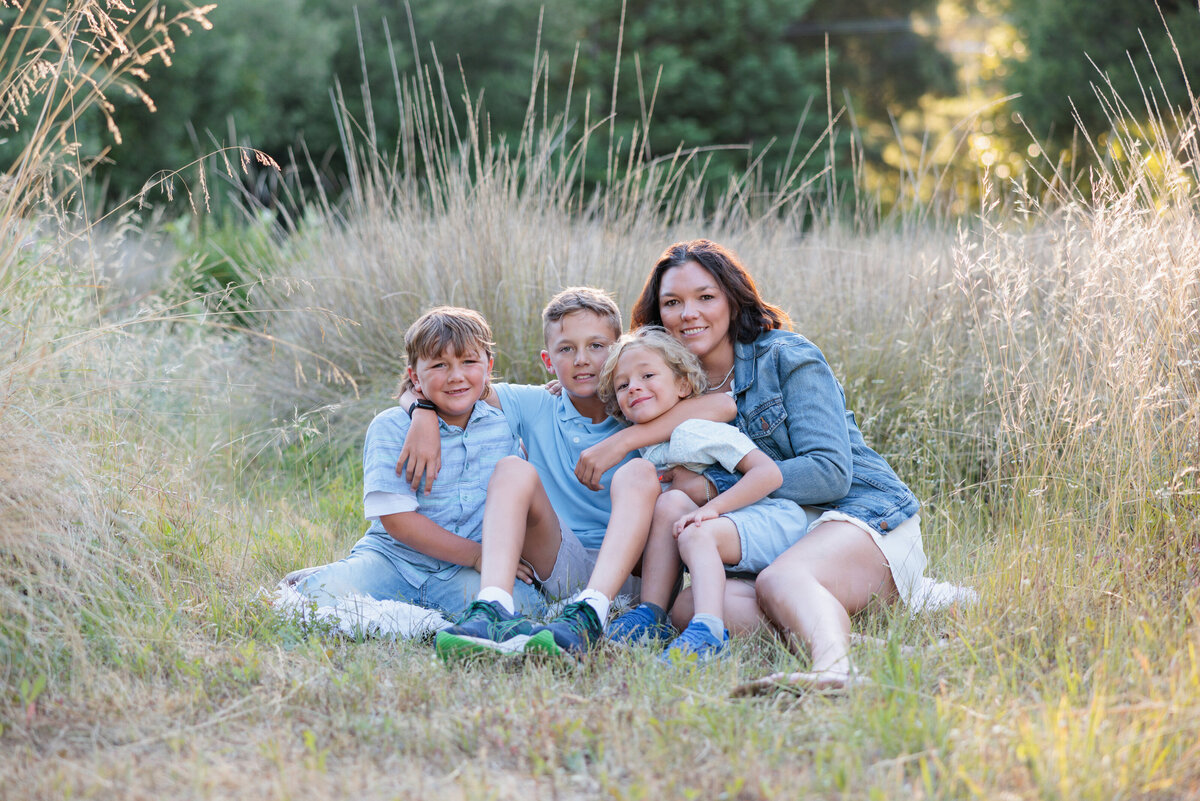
(544, 644)
(453, 647)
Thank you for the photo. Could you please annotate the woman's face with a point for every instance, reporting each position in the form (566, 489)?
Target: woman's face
(694, 309)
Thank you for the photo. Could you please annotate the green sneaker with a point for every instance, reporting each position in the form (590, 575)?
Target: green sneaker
(572, 633)
(485, 628)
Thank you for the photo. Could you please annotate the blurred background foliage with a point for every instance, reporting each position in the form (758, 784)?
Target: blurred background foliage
(956, 85)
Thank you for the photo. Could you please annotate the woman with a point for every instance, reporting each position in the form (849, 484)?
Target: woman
(864, 538)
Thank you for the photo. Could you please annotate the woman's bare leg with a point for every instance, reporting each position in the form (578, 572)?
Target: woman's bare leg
(811, 589)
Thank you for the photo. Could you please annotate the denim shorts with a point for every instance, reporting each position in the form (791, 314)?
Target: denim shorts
(766, 529)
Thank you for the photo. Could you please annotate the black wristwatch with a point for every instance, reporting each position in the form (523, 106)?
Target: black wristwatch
(421, 404)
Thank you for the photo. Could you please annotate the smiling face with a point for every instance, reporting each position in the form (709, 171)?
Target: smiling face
(576, 347)
(644, 385)
(696, 311)
(452, 381)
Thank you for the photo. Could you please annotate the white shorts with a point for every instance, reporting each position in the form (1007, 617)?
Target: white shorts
(901, 549)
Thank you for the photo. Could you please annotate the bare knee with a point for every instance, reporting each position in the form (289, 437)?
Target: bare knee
(636, 476)
(696, 539)
(513, 473)
(778, 581)
(672, 505)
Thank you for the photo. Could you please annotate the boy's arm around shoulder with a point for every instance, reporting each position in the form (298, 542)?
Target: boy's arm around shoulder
(593, 462)
(421, 457)
(422, 534)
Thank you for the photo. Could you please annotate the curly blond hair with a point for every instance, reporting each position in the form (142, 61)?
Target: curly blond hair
(679, 360)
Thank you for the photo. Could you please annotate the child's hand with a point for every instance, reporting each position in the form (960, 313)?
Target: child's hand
(597, 459)
(694, 519)
(525, 572)
(421, 457)
(553, 386)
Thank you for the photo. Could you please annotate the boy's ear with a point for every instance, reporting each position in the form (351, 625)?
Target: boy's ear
(412, 378)
(546, 361)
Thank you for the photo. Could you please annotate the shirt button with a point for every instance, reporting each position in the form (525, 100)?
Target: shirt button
(762, 421)
(576, 440)
(884, 525)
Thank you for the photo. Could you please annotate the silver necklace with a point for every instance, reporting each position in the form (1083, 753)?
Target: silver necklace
(723, 380)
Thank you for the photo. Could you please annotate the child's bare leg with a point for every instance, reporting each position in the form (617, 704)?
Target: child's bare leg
(706, 549)
(742, 615)
(518, 523)
(635, 490)
(660, 562)
(812, 588)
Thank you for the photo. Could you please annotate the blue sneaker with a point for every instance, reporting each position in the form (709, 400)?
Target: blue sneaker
(576, 629)
(644, 623)
(695, 639)
(486, 627)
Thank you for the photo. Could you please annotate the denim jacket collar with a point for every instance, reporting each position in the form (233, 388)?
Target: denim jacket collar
(743, 367)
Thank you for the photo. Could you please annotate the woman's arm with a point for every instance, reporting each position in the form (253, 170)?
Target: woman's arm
(593, 462)
(820, 468)
(422, 534)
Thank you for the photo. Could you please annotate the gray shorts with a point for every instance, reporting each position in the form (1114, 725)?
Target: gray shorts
(573, 568)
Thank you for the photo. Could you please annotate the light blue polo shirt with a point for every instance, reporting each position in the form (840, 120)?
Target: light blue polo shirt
(469, 455)
(555, 434)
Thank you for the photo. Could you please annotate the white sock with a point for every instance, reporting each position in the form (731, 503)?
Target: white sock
(597, 600)
(713, 623)
(498, 595)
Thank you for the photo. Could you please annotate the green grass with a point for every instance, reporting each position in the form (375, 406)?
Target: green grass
(1031, 371)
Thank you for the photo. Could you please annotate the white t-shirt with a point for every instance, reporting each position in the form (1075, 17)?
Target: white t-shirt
(698, 444)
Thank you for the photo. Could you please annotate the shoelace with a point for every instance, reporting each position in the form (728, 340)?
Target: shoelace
(577, 622)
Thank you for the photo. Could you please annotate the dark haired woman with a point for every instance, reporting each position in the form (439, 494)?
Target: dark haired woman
(864, 537)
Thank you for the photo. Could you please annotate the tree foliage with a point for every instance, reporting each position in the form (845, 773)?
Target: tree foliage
(1076, 48)
(721, 73)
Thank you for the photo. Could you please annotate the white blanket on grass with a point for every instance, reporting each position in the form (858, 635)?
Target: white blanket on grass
(358, 616)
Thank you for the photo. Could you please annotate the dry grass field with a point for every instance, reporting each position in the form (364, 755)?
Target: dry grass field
(1032, 369)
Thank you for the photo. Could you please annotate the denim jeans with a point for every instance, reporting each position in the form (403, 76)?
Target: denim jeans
(373, 575)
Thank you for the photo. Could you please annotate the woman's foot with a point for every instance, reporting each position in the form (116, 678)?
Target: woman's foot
(831, 682)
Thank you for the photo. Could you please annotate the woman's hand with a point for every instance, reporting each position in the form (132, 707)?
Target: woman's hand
(421, 457)
(596, 460)
(694, 485)
(553, 386)
(694, 519)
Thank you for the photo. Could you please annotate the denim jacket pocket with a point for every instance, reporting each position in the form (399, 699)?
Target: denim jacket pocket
(766, 426)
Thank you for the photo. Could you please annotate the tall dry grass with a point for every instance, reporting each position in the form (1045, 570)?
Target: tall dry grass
(1031, 370)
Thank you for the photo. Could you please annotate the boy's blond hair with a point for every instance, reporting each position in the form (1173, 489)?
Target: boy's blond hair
(581, 298)
(679, 360)
(444, 327)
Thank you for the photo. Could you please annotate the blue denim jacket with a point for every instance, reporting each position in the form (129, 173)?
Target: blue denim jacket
(790, 404)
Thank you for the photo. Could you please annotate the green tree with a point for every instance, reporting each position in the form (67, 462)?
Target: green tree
(1075, 45)
(260, 77)
(733, 73)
